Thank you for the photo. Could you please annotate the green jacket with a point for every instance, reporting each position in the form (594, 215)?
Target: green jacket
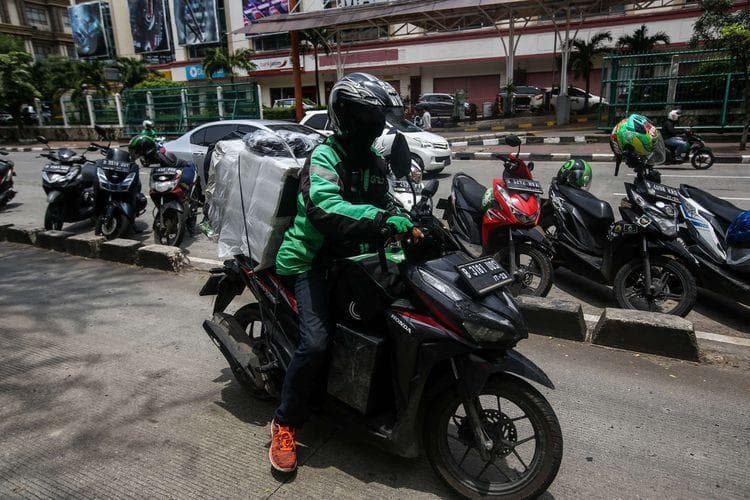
(342, 204)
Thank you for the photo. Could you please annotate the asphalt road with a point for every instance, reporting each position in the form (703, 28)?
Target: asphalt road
(110, 388)
(712, 314)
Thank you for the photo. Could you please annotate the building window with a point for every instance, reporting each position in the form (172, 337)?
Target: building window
(42, 51)
(71, 51)
(36, 16)
(66, 18)
(4, 15)
(278, 41)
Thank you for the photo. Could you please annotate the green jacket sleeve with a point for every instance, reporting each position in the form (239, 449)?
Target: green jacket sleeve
(325, 206)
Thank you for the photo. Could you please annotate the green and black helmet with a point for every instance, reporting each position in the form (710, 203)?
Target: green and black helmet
(143, 146)
(575, 173)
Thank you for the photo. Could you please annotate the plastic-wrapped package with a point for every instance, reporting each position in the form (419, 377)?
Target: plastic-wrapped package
(253, 195)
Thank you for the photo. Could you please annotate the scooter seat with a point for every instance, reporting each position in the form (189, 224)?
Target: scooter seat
(4, 169)
(722, 209)
(469, 192)
(590, 205)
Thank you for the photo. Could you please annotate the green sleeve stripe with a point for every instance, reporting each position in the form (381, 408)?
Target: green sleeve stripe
(324, 173)
(326, 196)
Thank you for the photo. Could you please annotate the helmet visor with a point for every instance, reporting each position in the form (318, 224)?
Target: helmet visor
(659, 154)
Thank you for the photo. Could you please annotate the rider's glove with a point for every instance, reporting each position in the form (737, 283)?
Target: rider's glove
(399, 224)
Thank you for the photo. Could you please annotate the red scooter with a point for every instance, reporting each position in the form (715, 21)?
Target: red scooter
(503, 222)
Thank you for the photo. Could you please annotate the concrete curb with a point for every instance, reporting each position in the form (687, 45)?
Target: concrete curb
(553, 317)
(497, 139)
(652, 333)
(608, 157)
(120, 250)
(23, 149)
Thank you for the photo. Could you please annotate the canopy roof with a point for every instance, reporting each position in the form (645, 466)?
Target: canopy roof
(431, 15)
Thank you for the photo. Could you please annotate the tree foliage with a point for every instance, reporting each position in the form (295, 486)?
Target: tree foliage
(640, 42)
(584, 55)
(156, 82)
(16, 85)
(10, 43)
(133, 71)
(219, 59)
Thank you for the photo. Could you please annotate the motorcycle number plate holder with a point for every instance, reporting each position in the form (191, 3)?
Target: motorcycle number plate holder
(524, 185)
(165, 171)
(483, 275)
(57, 169)
(662, 192)
(116, 166)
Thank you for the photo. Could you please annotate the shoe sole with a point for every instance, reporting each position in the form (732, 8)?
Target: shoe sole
(273, 464)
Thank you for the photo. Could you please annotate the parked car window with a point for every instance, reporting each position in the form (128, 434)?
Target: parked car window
(574, 92)
(317, 121)
(245, 129)
(197, 137)
(445, 98)
(216, 133)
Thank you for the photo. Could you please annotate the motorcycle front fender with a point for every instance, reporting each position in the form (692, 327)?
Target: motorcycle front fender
(660, 246)
(123, 207)
(533, 235)
(475, 370)
(53, 196)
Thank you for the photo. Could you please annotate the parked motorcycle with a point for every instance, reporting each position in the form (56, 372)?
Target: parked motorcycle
(641, 256)
(68, 181)
(7, 172)
(503, 222)
(723, 268)
(701, 156)
(421, 357)
(174, 209)
(405, 189)
(118, 196)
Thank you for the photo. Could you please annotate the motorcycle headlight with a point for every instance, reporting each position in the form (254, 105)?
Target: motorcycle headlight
(482, 333)
(129, 178)
(164, 186)
(72, 173)
(440, 286)
(416, 175)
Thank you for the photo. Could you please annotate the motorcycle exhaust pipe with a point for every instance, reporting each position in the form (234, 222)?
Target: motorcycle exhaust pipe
(233, 342)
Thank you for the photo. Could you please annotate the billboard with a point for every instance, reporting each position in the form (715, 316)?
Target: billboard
(87, 26)
(149, 26)
(253, 10)
(196, 72)
(196, 21)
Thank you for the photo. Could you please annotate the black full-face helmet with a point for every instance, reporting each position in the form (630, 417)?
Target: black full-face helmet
(358, 106)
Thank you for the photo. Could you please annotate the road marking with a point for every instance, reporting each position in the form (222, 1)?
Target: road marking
(693, 176)
(729, 199)
(724, 339)
(205, 261)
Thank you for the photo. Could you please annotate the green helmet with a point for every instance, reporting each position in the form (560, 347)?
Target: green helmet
(637, 136)
(575, 173)
(142, 146)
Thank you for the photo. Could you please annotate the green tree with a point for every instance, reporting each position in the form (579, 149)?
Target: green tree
(156, 82)
(218, 59)
(584, 56)
(10, 43)
(316, 39)
(16, 85)
(133, 71)
(721, 27)
(640, 42)
(52, 77)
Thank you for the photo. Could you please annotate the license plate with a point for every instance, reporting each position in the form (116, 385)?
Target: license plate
(117, 166)
(525, 185)
(172, 171)
(666, 193)
(57, 169)
(483, 275)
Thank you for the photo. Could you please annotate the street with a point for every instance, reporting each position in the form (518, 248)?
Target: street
(110, 388)
(712, 314)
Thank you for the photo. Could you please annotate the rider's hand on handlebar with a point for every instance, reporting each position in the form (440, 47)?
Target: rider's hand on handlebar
(399, 224)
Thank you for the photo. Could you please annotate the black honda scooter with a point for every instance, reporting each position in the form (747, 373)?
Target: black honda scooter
(7, 172)
(68, 181)
(117, 193)
(640, 256)
(421, 357)
(701, 156)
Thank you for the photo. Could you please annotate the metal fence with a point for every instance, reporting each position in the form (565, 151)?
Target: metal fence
(704, 84)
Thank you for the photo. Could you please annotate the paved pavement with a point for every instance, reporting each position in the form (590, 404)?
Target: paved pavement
(110, 388)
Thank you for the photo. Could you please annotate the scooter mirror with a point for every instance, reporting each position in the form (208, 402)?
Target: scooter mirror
(41, 139)
(530, 166)
(512, 141)
(92, 148)
(400, 157)
(101, 131)
(430, 187)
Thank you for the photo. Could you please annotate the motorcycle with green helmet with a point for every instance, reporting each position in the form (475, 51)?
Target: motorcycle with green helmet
(639, 255)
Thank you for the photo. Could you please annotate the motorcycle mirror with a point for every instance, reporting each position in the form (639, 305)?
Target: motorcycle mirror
(392, 130)
(400, 157)
(91, 147)
(430, 187)
(512, 140)
(530, 166)
(41, 139)
(3, 152)
(101, 131)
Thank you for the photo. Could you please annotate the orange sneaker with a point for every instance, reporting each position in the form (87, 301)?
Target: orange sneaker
(283, 450)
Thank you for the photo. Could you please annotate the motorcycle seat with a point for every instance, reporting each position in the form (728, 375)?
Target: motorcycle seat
(471, 192)
(4, 169)
(590, 205)
(722, 209)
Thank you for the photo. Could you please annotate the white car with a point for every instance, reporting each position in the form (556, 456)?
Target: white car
(577, 98)
(431, 152)
(289, 103)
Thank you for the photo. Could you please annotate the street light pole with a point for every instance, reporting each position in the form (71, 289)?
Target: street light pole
(296, 70)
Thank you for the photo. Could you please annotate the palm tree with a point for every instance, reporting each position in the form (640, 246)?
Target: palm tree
(16, 84)
(639, 42)
(133, 71)
(218, 59)
(583, 56)
(317, 39)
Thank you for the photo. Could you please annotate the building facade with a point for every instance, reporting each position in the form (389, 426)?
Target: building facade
(43, 25)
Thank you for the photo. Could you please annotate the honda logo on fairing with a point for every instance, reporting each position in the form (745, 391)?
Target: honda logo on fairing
(400, 322)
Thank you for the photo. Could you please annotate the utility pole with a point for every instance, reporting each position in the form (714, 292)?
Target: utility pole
(297, 71)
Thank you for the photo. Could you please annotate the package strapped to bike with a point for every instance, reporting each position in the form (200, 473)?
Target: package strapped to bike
(254, 197)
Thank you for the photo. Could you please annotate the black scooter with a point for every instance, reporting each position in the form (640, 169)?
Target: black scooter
(7, 172)
(118, 196)
(68, 181)
(701, 156)
(421, 357)
(641, 256)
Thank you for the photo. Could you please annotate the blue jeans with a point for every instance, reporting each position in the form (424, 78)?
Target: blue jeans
(304, 371)
(679, 145)
(188, 173)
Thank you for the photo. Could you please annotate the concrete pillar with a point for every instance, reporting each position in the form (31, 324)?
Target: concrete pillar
(150, 105)
(38, 108)
(674, 71)
(259, 101)
(562, 105)
(427, 84)
(220, 102)
(64, 112)
(90, 106)
(183, 104)
(118, 107)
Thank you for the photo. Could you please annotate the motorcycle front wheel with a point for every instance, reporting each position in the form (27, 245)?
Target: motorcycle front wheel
(527, 443)
(534, 270)
(116, 227)
(702, 159)
(53, 218)
(171, 231)
(674, 287)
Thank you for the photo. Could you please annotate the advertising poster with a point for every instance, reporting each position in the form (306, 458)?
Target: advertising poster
(253, 10)
(87, 25)
(196, 21)
(149, 26)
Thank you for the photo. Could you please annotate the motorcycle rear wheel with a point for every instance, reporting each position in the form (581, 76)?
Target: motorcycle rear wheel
(702, 159)
(536, 270)
(173, 231)
(676, 285)
(510, 410)
(248, 316)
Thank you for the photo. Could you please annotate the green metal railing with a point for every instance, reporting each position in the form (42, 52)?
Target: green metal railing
(704, 84)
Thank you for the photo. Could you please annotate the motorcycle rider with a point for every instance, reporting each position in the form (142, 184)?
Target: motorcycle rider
(673, 138)
(343, 210)
(148, 129)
